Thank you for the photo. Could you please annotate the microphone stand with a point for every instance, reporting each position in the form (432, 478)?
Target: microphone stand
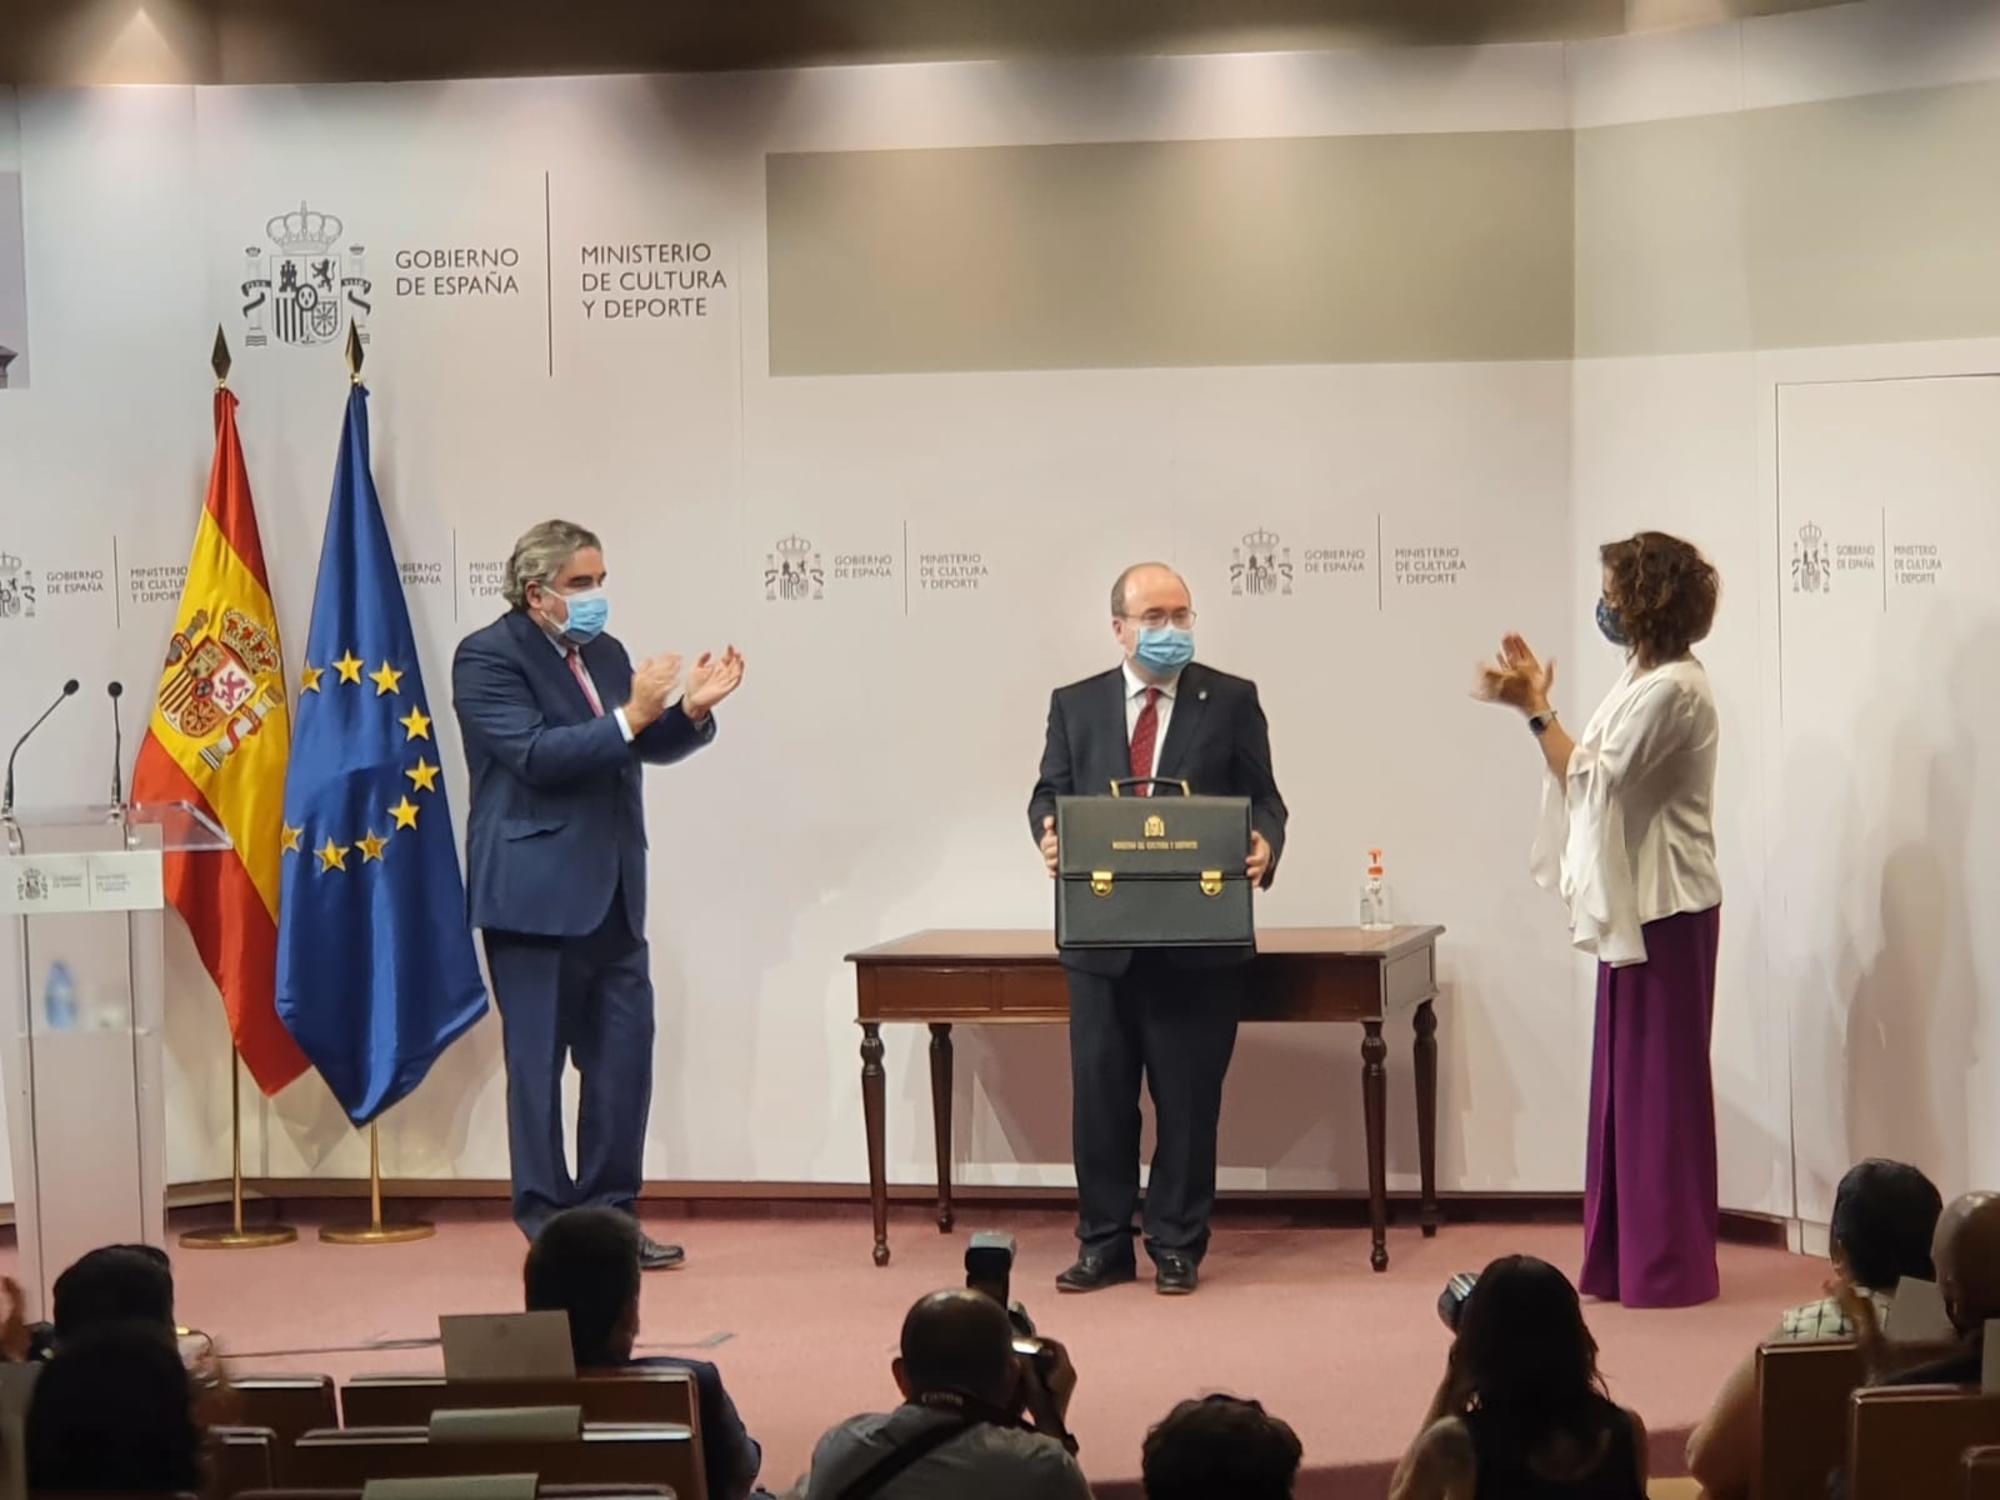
(114, 690)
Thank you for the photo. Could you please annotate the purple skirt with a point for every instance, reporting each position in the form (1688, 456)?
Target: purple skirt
(1649, 1198)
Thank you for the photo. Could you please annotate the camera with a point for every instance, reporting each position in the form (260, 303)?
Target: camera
(989, 1268)
(1451, 1301)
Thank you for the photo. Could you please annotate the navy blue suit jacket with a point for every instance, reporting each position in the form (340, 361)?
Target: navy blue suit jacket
(731, 1456)
(557, 825)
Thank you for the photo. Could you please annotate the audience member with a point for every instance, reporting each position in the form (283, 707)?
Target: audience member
(113, 1411)
(959, 1433)
(1220, 1446)
(115, 1284)
(1884, 1215)
(586, 1262)
(1967, 1253)
(1522, 1409)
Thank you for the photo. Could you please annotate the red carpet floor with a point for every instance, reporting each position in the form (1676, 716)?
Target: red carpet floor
(803, 1324)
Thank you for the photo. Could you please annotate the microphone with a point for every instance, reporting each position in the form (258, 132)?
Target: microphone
(115, 690)
(7, 800)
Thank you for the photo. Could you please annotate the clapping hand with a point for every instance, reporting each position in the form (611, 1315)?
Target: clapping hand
(1516, 677)
(15, 1341)
(653, 683)
(712, 679)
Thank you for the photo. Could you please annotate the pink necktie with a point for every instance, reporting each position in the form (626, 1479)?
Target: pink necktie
(1144, 733)
(583, 681)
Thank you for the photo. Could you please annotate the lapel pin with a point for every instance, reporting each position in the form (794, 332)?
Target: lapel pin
(1202, 696)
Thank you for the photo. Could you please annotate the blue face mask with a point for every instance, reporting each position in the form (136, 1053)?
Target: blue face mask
(1610, 624)
(589, 609)
(1164, 648)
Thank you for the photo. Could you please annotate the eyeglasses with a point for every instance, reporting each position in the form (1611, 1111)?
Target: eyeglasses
(1159, 619)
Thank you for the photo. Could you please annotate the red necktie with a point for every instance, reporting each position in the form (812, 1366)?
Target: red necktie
(583, 681)
(1144, 733)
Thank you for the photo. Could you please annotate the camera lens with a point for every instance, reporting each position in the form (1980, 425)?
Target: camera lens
(1451, 1301)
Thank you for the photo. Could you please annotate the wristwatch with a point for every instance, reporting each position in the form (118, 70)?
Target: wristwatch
(1538, 724)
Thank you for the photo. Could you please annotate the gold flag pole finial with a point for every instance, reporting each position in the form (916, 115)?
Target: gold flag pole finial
(219, 360)
(353, 354)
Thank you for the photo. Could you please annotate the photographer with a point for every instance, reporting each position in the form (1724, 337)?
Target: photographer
(963, 1429)
(1522, 1409)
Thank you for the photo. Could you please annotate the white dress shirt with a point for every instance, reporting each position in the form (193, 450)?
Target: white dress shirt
(1628, 836)
(1135, 703)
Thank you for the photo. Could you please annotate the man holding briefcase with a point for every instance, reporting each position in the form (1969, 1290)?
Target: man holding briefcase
(1165, 1013)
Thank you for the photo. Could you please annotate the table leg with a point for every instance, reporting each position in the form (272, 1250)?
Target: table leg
(941, 1117)
(1427, 1115)
(1375, 1108)
(872, 1110)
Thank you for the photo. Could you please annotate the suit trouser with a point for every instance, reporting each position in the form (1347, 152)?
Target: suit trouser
(589, 999)
(1174, 1026)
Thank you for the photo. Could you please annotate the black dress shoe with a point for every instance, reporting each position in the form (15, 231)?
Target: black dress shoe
(1093, 1272)
(653, 1256)
(1174, 1274)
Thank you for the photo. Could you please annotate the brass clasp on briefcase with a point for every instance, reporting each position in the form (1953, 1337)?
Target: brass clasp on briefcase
(1100, 882)
(1211, 882)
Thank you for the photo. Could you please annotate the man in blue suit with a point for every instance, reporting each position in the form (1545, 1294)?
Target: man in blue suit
(557, 724)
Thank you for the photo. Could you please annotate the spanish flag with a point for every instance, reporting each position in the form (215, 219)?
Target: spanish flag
(220, 738)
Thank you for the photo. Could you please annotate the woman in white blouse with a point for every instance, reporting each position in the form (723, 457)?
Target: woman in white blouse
(1627, 839)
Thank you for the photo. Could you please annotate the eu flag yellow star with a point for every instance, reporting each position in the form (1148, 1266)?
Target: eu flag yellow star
(405, 813)
(371, 844)
(386, 679)
(309, 678)
(424, 774)
(288, 838)
(333, 856)
(349, 667)
(416, 725)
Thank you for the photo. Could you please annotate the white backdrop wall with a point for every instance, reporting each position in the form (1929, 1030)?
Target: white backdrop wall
(871, 778)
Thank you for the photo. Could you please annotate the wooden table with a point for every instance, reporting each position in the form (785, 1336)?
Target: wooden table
(944, 979)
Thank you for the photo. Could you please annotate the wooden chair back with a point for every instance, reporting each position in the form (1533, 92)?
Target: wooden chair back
(606, 1454)
(1802, 1391)
(239, 1459)
(1908, 1442)
(644, 1396)
(290, 1405)
(544, 1491)
(1982, 1474)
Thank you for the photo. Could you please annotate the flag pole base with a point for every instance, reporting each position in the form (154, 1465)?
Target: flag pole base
(237, 1235)
(400, 1233)
(238, 1239)
(375, 1231)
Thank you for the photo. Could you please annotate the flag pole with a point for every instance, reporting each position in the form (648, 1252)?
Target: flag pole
(375, 1231)
(236, 1237)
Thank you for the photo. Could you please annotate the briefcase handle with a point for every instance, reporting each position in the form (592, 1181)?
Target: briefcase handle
(1117, 786)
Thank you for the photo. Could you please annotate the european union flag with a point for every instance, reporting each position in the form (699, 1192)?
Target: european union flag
(376, 973)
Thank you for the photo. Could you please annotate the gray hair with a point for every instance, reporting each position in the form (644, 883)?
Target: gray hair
(1124, 578)
(540, 555)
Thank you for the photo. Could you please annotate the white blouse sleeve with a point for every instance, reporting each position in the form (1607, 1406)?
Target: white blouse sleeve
(1579, 850)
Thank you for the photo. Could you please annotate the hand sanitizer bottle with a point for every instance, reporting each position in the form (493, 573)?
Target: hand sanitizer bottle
(1375, 908)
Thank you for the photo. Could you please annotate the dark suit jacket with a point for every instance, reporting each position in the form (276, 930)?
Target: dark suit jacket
(1217, 741)
(556, 826)
(730, 1456)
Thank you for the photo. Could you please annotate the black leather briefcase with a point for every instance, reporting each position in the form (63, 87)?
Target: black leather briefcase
(1153, 872)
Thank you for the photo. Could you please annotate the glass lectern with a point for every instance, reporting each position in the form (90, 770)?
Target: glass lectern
(81, 1033)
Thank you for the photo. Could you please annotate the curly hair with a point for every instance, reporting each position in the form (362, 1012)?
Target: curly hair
(1664, 591)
